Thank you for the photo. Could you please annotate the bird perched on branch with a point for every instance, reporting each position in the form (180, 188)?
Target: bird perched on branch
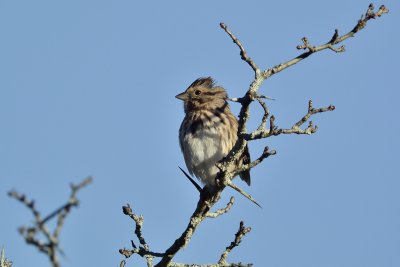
(209, 131)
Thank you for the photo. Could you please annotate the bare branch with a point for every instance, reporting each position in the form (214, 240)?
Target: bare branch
(306, 45)
(273, 130)
(207, 199)
(312, 111)
(243, 53)
(30, 204)
(310, 129)
(242, 192)
(221, 211)
(50, 246)
(141, 251)
(242, 231)
(266, 153)
(238, 238)
(139, 223)
(370, 14)
(144, 249)
(265, 116)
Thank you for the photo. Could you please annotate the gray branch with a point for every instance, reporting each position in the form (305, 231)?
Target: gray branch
(49, 246)
(238, 238)
(144, 249)
(221, 211)
(262, 132)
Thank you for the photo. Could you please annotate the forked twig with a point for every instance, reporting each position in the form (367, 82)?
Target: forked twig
(50, 245)
(143, 250)
(221, 211)
(238, 238)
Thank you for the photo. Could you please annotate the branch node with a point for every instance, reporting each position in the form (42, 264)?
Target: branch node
(334, 37)
(306, 45)
(236, 242)
(382, 10)
(127, 210)
(49, 246)
(338, 49)
(310, 106)
(221, 211)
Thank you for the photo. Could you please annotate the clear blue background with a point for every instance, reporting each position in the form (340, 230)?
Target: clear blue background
(87, 88)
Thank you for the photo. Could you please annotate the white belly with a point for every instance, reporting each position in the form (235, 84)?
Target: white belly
(202, 151)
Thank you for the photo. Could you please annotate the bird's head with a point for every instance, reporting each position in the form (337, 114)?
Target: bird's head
(203, 94)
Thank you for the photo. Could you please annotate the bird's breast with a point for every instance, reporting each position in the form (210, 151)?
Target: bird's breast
(203, 145)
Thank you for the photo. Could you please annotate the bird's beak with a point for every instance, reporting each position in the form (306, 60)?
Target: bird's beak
(182, 96)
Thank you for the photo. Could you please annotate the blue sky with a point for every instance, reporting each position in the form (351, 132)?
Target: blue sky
(88, 88)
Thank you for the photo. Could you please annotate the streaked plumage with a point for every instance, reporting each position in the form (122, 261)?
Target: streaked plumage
(208, 131)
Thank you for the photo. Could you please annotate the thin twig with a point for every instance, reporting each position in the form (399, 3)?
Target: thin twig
(144, 249)
(243, 193)
(127, 210)
(265, 116)
(273, 130)
(336, 39)
(243, 53)
(50, 246)
(310, 129)
(221, 211)
(238, 238)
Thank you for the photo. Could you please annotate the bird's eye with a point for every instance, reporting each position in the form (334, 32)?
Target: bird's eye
(197, 92)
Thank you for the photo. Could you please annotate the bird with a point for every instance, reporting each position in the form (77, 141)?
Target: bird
(208, 131)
